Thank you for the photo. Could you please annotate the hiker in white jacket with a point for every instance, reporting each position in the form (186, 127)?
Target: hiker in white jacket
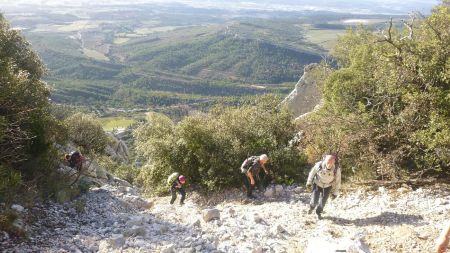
(324, 178)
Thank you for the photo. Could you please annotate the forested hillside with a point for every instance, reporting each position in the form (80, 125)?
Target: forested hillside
(197, 66)
(157, 56)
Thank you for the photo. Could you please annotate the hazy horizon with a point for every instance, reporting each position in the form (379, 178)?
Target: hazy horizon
(347, 6)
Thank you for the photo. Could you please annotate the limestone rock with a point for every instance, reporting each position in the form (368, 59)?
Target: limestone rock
(258, 250)
(168, 249)
(18, 208)
(116, 241)
(306, 94)
(210, 214)
(135, 231)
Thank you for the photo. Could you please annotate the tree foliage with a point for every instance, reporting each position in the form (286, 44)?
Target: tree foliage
(209, 148)
(87, 133)
(387, 108)
(26, 128)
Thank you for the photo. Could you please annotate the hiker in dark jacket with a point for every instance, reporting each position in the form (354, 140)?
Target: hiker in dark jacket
(75, 160)
(324, 178)
(250, 169)
(177, 186)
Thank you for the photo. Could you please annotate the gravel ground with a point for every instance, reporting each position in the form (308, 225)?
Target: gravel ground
(117, 219)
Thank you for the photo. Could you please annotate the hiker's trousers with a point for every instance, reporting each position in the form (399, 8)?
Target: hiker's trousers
(319, 196)
(174, 191)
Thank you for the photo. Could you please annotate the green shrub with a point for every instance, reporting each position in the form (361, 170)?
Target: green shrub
(209, 148)
(87, 133)
(124, 171)
(9, 183)
(27, 130)
(386, 109)
(7, 219)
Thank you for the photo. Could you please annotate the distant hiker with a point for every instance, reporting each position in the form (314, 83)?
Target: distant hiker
(75, 160)
(325, 177)
(250, 169)
(444, 239)
(176, 181)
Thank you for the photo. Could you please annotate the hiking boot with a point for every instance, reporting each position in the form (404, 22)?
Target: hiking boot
(319, 214)
(311, 209)
(251, 196)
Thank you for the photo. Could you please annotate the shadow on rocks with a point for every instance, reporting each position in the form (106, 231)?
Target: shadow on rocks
(385, 219)
(102, 216)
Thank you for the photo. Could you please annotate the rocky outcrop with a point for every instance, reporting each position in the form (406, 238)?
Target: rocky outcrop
(92, 172)
(118, 150)
(306, 95)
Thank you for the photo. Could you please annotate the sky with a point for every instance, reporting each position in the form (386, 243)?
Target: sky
(353, 6)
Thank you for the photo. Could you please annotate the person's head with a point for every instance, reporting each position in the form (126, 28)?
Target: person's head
(182, 179)
(67, 157)
(330, 161)
(263, 158)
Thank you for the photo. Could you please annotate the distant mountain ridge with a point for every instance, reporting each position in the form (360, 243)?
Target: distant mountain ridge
(346, 6)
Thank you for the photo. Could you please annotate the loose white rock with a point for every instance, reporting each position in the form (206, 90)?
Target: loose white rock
(210, 214)
(18, 208)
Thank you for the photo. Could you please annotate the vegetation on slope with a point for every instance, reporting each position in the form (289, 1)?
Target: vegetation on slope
(387, 107)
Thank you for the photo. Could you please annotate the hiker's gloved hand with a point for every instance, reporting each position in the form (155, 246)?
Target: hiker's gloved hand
(333, 196)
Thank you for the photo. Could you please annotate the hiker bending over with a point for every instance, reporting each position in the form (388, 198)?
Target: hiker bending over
(75, 160)
(443, 240)
(176, 182)
(325, 177)
(250, 169)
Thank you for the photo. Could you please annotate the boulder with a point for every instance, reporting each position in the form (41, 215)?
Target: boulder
(103, 247)
(299, 189)
(270, 192)
(210, 214)
(278, 189)
(17, 208)
(278, 229)
(135, 231)
(137, 220)
(138, 202)
(258, 250)
(121, 182)
(197, 223)
(118, 150)
(168, 249)
(328, 245)
(116, 241)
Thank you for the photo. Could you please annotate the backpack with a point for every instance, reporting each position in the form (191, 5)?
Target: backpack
(75, 159)
(174, 176)
(250, 161)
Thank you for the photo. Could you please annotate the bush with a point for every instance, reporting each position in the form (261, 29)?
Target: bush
(387, 108)
(87, 133)
(124, 171)
(209, 148)
(27, 130)
(9, 183)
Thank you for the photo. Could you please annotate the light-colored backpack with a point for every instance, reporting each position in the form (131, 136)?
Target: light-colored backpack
(174, 176)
